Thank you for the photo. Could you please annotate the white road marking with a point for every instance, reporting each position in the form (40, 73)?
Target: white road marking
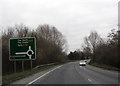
(42, 75)
(90, 80)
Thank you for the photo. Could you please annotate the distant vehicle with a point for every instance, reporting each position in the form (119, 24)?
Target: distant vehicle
(82, 63)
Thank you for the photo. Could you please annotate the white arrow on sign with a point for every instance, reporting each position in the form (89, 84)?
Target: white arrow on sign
(30, 50)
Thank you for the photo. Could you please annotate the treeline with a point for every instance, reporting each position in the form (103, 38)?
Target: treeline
(78, 55)
(103, 51)
(50, 46)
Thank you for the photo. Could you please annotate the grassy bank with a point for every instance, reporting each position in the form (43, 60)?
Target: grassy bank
(19, 75)
(107, 67)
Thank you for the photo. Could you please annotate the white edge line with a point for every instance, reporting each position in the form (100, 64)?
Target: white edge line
(43, 75)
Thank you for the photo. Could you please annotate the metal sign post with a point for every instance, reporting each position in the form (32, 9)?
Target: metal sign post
(22, 66)
(31, 64)
(14, 66)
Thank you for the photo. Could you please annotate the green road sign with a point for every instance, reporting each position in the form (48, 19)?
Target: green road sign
(22, 49)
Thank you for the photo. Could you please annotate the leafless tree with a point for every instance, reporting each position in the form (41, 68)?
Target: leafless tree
(93, 40)
(49, 43)
(53, 40)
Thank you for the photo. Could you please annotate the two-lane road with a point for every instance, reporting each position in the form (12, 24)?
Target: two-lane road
(72, 73)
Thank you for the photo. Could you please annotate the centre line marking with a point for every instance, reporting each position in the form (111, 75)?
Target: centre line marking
(89, 80)
(43, 75)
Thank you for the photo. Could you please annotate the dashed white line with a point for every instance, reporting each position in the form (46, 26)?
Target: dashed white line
(90, 80)
(80, 66)
(42, 75)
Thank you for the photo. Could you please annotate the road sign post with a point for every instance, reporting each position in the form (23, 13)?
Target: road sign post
(14, 66)
(31, 64)
(22, 49)
(22, 66)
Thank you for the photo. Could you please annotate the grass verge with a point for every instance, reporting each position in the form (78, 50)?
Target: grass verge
(7, 79)
(107, 67)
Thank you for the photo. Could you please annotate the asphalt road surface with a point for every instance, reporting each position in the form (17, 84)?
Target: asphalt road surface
(72, 73)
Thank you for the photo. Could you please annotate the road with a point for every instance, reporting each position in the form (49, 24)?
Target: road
(72, 73)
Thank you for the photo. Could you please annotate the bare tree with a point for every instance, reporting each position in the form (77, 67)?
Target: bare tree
(51, 34)
(49, 43)
(91, 43)
(21, 30)
(94, 39)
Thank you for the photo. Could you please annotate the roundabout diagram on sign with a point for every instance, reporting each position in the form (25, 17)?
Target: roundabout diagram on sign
(29, 53)
(22, 48)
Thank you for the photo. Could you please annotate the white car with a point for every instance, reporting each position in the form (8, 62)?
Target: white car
(85, 61)
(82, 63)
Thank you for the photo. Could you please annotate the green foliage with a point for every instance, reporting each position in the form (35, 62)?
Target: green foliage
(76, 55)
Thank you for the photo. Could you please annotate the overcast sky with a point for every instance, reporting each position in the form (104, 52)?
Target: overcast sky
(74, 18)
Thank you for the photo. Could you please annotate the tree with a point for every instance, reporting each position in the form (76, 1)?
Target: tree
(87, 52)
(76, 55)
(49, 43)
(91, 43)
(94, 39)
(71, 56)
(53, 44)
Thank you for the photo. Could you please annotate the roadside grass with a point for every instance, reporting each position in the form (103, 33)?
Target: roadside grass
(107, 67)
(7, 79)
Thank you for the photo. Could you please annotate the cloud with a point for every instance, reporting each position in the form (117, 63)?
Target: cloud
(74, 18)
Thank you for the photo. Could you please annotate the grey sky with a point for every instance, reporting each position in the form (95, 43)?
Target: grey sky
(74, 18)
